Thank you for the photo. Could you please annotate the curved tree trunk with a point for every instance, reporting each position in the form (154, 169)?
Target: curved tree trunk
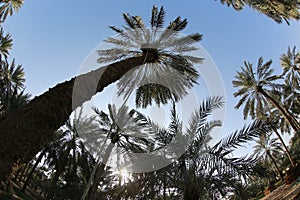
(99, 173)
(285, 148)
(275, 164)
(25, 133)
(286, 114)
(59, 170)
(42, 154)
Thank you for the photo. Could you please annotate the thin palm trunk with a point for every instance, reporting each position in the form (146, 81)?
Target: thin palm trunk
(33, 168)
(58, 172)
(25, 133)
(275, 164)
(99, 173)
(285, 148)
(286, 114)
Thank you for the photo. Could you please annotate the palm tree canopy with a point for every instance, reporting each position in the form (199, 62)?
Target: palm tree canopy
(291, 67)
(278, 10)
(12, 95)
(172, 73)
(266, 145)
(7, 7)
(250, 84)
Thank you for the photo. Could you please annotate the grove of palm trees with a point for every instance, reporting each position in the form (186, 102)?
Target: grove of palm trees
(51, 149)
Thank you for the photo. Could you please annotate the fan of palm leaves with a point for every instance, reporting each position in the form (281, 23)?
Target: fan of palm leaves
(278, 10)
(7, 7)
(171, 74)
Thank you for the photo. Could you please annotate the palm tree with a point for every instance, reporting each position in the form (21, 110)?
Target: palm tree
(203, 170)
(126, 129)
(12, 96)
(47, 112)
(174, 65)
(290, 62)
(6, 44)
(266, 148)
(65, 152)
(7, 7)
(277, 10)
(258, 91)
(291, 74)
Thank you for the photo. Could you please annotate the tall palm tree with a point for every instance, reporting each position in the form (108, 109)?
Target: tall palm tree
(124, 128)
(291, 74)
(174, 65)
(266, 148)
(7, 7)
(278, 10)
(258, 91)
(203, 170)
(6, 44)
(65, 152)
(290, 62)
(12, 96)
(47, 112)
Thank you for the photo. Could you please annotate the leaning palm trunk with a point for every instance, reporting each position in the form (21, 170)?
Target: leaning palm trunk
(285, 148)
(286, 114)
(24, 134)
(96, 175)
(39, 159)
(275, 164)
(58, 172)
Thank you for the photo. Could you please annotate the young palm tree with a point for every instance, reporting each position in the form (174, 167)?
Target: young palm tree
(47, 112)
(278, 10)
(266, 148)
(258, 90)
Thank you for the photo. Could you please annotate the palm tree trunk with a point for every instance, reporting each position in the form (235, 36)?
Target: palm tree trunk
(58, 172)
(275, 164)
(24, 134)
(33, 168)
(286, 114)
(91, 189)
(285, 147)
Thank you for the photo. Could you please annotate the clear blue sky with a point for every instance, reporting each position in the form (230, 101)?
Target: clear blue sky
(52, 38)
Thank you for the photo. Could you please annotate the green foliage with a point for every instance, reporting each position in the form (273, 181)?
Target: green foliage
(278, 10)
(7, 7)
(173, 72)
(251, 83)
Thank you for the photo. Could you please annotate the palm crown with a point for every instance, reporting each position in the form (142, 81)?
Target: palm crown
(278, 10)
(251, 83)
(171, 74)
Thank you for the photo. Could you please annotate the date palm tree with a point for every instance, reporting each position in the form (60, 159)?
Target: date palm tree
(266, 148)
(204, 169)
(290, 62)
(258, 92)
(12, 96)
(46, 113)
(291, 74)
(159, 80)
(120, 129)
(277, 10)
(7, 7)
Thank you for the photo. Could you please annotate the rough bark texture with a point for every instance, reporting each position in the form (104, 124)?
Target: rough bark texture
(23, 134)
